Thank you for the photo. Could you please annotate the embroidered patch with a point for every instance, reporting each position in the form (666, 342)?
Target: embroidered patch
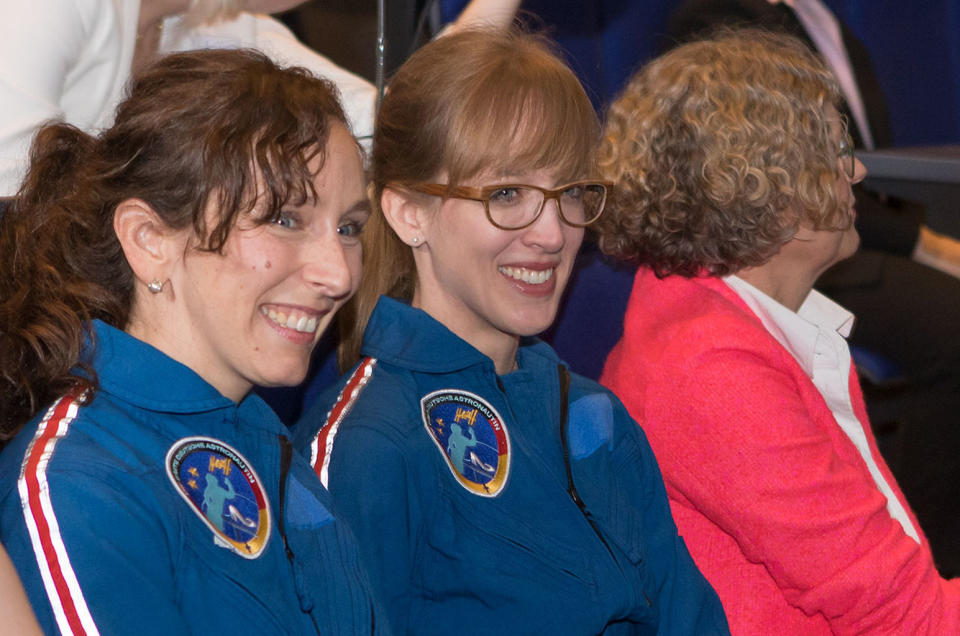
(225, 492)
(472, 437)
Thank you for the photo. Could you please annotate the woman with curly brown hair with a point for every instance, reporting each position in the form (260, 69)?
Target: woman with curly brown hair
(734, 175)
(150, 277)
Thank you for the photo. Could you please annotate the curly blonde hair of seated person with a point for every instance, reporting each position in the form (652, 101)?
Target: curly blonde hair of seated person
(720, 149)
(476, 103)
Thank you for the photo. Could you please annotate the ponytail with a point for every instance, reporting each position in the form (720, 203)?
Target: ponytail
(201, 130)
(60, 266)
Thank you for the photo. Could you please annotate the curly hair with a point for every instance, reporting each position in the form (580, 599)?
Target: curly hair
(720, 149)
(474, 101)
(224, 127)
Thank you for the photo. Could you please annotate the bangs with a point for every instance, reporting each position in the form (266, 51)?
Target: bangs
(514, 122)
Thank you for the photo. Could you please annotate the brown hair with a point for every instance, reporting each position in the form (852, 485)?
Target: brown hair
(471, 102)
(720, 149)
(197, 127)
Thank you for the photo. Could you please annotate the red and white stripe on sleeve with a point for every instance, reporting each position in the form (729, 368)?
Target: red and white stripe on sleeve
(59, 579)
(322, 443)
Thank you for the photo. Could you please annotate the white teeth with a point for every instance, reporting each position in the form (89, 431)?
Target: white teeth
(294, 320)
(531, 276)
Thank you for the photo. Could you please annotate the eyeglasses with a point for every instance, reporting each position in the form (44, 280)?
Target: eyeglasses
(847, 156)
(514, 206)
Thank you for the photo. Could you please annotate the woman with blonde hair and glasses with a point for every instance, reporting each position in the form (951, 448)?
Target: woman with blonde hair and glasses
(734, 175)
(491, 490)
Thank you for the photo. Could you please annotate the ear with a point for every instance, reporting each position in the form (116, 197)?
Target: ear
(406, 215)
(147, 242)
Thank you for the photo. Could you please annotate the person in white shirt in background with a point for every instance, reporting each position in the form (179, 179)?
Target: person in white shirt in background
(70, 60)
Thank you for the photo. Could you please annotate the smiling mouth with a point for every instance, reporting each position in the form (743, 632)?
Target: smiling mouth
(529, 276)
(291, 319)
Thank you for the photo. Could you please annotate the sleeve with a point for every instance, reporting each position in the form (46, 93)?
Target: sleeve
(93, 553)
(742, 449)
(371, 487)
(357, 94)
(39, 40)
(270, 36)
(686, 602)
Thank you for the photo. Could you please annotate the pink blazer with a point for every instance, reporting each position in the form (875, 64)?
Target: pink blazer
(774, 501)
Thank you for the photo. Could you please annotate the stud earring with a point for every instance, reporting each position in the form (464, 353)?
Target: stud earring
(155, 286)
(415, 240)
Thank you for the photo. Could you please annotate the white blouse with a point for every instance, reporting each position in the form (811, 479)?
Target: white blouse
(815, 336)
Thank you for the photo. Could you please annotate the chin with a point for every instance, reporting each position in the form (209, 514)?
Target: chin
(291, 376)
(852, 247)
(532, 326)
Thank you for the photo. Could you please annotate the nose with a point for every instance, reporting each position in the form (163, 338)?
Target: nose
(547, 232)
(330, 268)
(859, 171)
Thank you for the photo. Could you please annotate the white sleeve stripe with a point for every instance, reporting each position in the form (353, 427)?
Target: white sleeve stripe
(59, 579)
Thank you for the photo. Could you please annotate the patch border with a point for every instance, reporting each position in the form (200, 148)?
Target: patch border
(219, 537)
(470, 487)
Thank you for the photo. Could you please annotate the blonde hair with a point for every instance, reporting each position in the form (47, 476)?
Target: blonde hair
(720, 149)
(475, 101)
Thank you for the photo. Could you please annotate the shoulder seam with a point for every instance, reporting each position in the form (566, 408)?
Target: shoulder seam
(322, 443)
(59, 579)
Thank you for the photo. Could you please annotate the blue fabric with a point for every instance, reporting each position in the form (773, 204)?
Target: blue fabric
(591, 427)
(590, 321)
(145, 560)
(289, 401)
(915, 49)
(518, 556)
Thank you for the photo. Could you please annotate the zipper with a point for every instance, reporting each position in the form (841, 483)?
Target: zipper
(286, 459)
(571, 486)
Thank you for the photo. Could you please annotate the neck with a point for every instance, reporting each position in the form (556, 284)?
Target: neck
(500, 347)
(504, 357)
(788, 286)
(149, 322)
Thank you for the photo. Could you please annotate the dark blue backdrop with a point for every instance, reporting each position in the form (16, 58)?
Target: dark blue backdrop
(915, 48)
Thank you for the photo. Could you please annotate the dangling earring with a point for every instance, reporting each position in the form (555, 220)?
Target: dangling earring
(155, 286)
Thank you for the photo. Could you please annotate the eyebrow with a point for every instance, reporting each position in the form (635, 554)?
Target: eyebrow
(362, 205)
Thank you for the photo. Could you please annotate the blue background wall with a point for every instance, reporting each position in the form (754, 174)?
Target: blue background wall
(914, 45)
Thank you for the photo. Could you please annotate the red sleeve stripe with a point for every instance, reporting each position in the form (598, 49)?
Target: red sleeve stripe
(323, 443)
(59, 579)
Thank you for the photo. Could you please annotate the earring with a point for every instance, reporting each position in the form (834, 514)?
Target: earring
(415, 240)
(155, 286)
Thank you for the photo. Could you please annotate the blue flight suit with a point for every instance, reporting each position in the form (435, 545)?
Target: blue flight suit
(162, 507)
(527, 503)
